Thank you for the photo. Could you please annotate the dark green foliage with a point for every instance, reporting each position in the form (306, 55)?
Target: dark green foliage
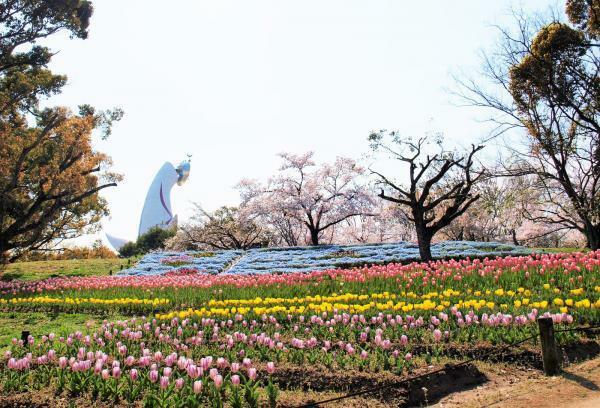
(128, 250)
(50, 175)
(154, 238)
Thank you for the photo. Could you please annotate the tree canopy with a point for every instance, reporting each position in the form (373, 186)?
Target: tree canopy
(547, 75)
(304, 196)
(50, 175)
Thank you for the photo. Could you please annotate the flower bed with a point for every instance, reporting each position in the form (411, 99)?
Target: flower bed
(158, 263)
(210, 339)
(307, 259)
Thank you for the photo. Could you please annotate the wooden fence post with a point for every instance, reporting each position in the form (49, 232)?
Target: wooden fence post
(549, 352)
(25, 337)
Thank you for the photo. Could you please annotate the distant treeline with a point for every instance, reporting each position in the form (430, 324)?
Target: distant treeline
(96, 251)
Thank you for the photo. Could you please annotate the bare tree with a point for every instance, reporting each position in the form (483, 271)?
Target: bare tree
(225, 228)
(440, 185)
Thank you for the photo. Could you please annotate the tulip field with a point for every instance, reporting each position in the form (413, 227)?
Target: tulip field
(187, 338)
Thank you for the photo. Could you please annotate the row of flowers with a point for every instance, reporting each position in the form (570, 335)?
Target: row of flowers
(211, 360)
(568, 270)
(543, 297)
(347, 297)
(50, 300)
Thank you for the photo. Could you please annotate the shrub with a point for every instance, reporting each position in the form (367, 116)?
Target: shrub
(154, 238)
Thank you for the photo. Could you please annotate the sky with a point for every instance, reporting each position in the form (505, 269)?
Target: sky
(234, 83)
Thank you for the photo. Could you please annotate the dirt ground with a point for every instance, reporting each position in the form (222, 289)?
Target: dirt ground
(577, 386)
(512, 383)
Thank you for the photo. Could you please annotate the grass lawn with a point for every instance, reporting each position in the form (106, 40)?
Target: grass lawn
(561, 250)
(36, 270)
(39, 323)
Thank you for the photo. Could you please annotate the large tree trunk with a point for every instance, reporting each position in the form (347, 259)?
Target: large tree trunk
(314, 236)
(4, 260)
(424, 241)
(592, 234)
(513, 232)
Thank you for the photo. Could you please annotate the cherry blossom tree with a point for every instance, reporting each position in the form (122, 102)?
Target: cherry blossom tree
(304, 201)
(387, 224)
(264, 209)
(498, 214)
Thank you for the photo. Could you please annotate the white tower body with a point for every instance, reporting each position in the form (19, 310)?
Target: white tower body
(157, 206)
(157, 211)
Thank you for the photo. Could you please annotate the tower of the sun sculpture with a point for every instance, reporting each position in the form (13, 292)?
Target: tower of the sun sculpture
(157, 211)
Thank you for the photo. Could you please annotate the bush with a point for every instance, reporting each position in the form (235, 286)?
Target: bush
(128, 250)
(154, 238)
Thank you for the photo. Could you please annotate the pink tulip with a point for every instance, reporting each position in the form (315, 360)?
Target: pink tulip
(218, 380)
(252, 373)
(270, 367)
(62, 362)
(105, 374)
(235, 379)
(221, 363)
(116, 372)
(197, 387)
(133, 374)
(192, 371)
(179, 383)
(164, 382)
(153, 376)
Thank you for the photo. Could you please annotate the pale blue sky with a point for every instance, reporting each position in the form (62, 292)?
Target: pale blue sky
(235, 82)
